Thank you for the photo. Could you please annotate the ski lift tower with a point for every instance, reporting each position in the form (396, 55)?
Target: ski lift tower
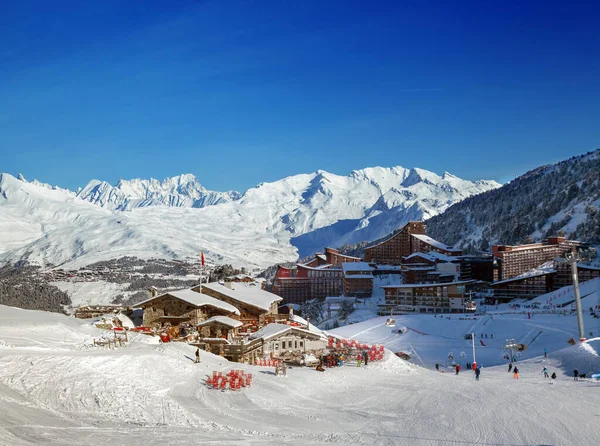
(511, 345)
(572, 258)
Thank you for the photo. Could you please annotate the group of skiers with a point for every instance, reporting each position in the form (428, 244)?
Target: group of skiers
(476, 371)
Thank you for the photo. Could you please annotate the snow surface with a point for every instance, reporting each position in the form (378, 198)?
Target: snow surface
(270, 223)
(250, 293)
(57, 389)
(196, 299)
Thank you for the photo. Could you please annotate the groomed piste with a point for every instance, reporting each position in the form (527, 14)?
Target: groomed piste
(56, 388)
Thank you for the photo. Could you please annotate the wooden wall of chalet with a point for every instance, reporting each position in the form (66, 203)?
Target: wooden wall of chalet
(171, 306)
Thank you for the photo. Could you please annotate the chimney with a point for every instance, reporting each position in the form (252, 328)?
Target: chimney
(291, 307)
(308, 322)
(153, 291)
(229, 285)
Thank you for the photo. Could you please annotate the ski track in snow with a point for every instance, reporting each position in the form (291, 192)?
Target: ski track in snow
(56, 389)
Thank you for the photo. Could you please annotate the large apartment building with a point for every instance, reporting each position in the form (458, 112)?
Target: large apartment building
(425, 298)
(512, 261)
(408, 240)
(318, 278)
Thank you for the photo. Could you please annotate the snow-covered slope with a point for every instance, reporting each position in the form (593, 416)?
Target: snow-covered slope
(56, 388)
(180, 191)
(272, 222)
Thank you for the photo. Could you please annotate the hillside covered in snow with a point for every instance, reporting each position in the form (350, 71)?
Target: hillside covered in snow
(176, 218)
(562, 197)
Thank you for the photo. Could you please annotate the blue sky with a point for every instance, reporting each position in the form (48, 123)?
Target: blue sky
(239, 92)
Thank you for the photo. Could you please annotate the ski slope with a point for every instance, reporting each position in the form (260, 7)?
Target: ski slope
(56, 389)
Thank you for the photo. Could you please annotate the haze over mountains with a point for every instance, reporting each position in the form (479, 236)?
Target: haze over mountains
(178, 217)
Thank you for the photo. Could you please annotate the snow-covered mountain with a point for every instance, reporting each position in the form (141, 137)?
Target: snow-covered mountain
(270, 223)
(180, 191)
(557, 198)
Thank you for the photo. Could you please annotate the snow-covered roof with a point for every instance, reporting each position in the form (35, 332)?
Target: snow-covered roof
(356, 266)
(247, 293)
(224, 320)
(271, 331)
(327, 267)
(426, 239)
(195, 299)
(542, 270)
(360, 276)
(322, 256)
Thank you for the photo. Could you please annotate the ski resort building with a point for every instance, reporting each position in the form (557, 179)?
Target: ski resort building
(318, 278)
(546, 278)
(430, 267)
(247, 303)
(425, 298)
(183, 306)
(512, 261)
(358, 279)
(408, 240)
(281, 340)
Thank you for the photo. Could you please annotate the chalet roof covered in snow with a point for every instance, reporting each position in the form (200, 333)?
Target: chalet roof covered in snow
(195, 299)
(248, 293)
(223, 320)
(271, 331)
(435, 243)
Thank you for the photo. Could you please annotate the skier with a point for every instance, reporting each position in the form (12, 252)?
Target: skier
(457, 368)
(477, 372)
(553, 377)
(575, 375)
(197, 355)
(509, 367)
(545, 370)
(284, 368)
(545, 353)
(437, 366)
(358, 360)
(516, 373)
(366, 356)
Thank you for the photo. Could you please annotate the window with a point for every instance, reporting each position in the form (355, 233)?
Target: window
(301, 344)
(276, 345)
(289, 344)
(295, 344)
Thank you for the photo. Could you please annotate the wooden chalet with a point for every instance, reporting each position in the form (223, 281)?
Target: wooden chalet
(256, 306)
(183, 306)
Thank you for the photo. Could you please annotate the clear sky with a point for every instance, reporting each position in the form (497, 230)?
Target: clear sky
(239, 92)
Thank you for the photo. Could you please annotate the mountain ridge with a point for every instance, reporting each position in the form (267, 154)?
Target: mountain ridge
(271, 222)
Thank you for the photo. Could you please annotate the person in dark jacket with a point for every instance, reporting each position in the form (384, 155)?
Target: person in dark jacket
(366, 357)
(575, 375)
(516, 373)
(477, 372)
(197, 355)
(437, 366)
(553, 376)
(509, 367)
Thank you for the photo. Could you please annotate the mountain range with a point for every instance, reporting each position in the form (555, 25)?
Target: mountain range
(178, 217)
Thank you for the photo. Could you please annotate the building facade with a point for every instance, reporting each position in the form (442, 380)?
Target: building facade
(399, 245)
(358, 279)
(425, 298)
(512, 261)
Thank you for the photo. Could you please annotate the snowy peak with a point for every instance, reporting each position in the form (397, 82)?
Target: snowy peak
(179, 191)
(174, 218)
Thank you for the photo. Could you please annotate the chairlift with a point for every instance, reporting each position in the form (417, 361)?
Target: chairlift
(391, 322)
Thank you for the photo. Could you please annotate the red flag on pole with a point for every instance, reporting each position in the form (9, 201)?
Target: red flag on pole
(202, 257)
